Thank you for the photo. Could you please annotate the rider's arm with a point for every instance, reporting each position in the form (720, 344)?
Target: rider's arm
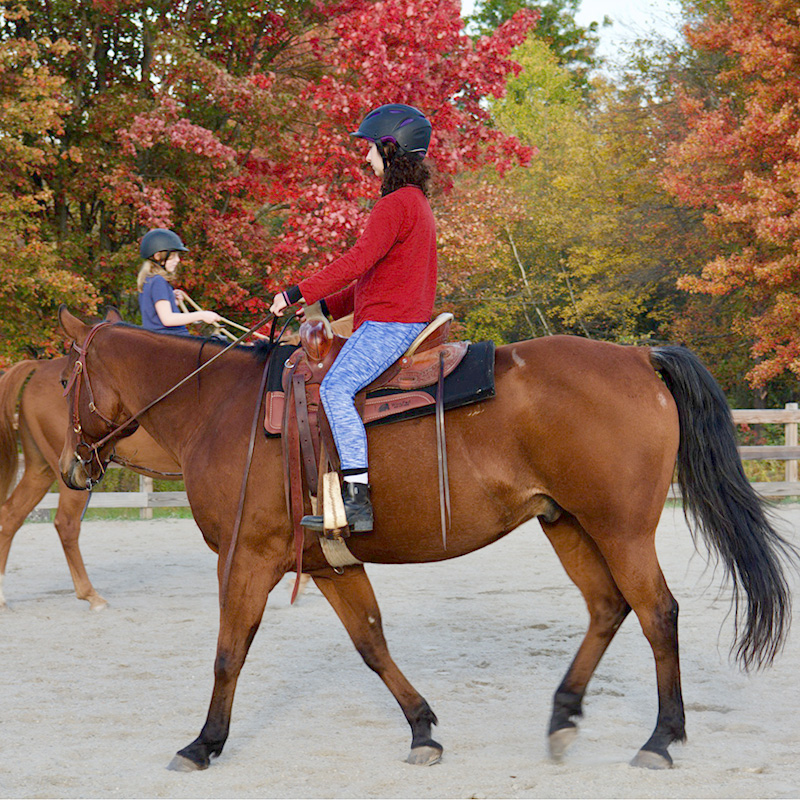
(341, 303)
(385, 224)
(171, 319)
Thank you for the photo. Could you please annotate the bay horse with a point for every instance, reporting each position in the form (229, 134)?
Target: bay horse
(582, 434)
(35, 388)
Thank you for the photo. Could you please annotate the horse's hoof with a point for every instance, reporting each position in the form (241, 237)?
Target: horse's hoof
(182, 764)
(425, 756)
(560, 740)
(647, 759)
(97, 604)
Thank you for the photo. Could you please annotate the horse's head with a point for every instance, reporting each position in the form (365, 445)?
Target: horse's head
(96, 411)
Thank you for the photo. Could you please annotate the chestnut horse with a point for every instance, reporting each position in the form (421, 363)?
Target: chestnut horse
(35, 386)
(582, 434)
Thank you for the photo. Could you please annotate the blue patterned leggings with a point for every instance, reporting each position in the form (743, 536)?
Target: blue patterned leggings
(370, 351)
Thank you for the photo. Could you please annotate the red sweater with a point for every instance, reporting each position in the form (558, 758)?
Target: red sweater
(389, 275)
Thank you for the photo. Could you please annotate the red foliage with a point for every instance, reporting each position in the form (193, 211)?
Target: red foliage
(741, 161)
(229, 122)
(294, 195)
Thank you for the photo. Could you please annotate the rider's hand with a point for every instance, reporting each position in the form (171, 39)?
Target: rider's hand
(179, 295)
(313, 313)
(209, 317)
(279, 304)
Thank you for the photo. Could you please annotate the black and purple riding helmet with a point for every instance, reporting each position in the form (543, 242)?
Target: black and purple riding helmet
(406, 126)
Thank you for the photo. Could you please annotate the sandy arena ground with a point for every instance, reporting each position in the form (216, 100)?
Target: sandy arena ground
(96, 704)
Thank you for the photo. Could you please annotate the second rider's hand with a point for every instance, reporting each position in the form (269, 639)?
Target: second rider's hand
(279, 305)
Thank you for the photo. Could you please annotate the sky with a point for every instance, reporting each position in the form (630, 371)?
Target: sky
(631, 19)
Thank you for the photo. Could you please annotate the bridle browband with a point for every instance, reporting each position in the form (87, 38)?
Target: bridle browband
(80, 372)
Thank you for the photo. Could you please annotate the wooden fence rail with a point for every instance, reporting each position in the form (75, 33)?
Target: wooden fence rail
(789, 416)
(789, 452)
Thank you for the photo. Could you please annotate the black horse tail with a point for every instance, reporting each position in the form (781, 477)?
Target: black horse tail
(719, 502)
(11, 384)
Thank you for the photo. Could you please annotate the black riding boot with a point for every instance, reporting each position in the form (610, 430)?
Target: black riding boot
(357, 508)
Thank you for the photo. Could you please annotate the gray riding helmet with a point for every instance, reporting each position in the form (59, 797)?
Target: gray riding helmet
(159, 239)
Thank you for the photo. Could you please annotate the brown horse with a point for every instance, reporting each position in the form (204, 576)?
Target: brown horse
(42, 419)
(582, 434)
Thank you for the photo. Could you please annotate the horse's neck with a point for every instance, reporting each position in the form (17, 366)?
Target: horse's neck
(144, 371)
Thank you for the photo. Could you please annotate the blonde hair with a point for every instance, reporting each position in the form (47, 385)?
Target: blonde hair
(150, 267)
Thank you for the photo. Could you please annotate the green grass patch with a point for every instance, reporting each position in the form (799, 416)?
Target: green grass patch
(131, 513)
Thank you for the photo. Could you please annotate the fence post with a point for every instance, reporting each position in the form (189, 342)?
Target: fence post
(790, 468)
(145, 485)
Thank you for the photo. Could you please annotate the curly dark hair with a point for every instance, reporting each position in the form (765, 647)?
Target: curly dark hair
(404, 170)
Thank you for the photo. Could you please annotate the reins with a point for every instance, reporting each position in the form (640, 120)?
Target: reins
(223, 593)
(124, 462)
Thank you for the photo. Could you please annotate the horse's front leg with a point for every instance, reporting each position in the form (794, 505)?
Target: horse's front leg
(352, 598)
(36, 480)
(253, 576)
(68, 525)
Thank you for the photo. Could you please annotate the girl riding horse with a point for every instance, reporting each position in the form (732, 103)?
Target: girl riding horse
(387, 279)
(161, 249)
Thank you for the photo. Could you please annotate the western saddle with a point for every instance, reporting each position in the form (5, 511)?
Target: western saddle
(310, 459)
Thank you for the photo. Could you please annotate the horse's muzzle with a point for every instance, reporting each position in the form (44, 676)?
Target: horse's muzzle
(77, 473)
(74, 474)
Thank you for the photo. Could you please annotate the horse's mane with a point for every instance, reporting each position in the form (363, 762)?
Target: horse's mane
(260, 351)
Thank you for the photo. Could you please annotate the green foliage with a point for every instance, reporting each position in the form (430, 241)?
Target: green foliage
(585, 239)
(574, 46)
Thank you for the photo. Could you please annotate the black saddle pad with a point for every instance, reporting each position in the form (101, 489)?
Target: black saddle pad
(470, 382)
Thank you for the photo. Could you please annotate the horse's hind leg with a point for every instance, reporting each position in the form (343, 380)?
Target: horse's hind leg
(68, 524)
(607, 609)
(353, 600)
(633, 562)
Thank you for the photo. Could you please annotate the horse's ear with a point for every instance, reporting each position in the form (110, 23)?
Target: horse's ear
(112, 314)
(71, 325)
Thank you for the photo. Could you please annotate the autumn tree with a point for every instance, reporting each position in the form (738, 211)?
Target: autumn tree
(590, 244)
(573, 45)
(229, 122)
(34, 282)
(739, 163)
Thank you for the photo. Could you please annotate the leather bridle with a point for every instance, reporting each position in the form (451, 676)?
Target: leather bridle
(79, 374)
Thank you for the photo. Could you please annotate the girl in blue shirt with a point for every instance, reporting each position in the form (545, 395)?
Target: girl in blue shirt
(161, 249)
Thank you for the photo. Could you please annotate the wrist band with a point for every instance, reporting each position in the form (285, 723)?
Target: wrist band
(293, 295)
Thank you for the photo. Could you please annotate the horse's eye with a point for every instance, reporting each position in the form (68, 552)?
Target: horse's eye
(64, 384)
